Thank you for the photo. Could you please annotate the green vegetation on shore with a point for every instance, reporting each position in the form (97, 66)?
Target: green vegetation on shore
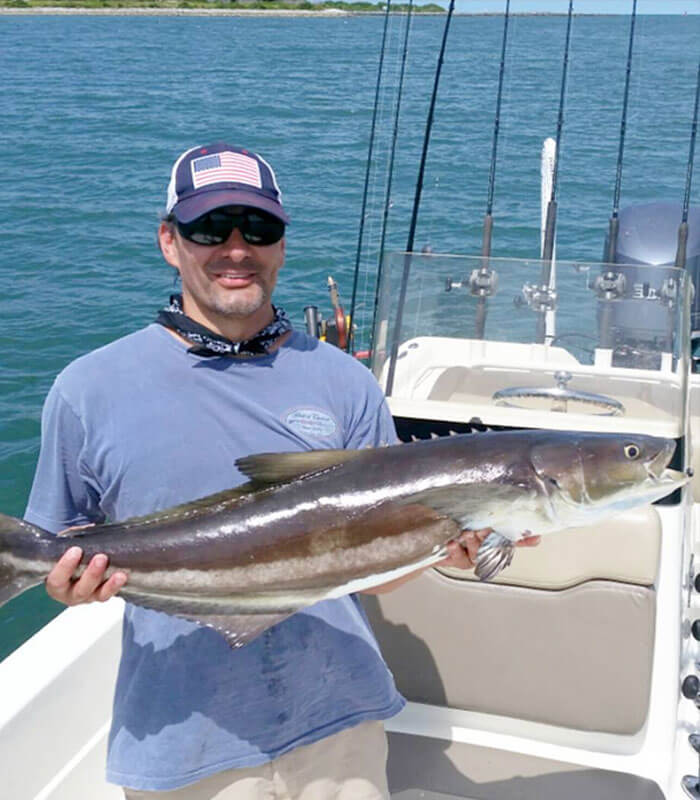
(227, 5)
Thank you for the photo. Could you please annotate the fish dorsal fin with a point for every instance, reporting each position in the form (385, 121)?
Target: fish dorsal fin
(274, 468)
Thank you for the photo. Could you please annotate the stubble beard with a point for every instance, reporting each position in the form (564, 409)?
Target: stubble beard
(241, 307)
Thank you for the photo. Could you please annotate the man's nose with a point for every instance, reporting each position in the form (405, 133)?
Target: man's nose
(236, 246)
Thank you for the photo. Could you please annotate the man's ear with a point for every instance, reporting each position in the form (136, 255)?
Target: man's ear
(168, 244)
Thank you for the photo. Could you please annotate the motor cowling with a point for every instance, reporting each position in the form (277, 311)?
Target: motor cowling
(639, 323)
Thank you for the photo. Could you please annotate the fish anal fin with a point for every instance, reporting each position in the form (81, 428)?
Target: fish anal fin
(239, 629)
(275, 468)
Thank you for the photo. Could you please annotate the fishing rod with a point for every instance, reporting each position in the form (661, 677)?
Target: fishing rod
(367, 177)
(683, 228)
(614, 225)
(390, 175)
(608, 284)
(551, 223)
(483, 282)
(416, 205)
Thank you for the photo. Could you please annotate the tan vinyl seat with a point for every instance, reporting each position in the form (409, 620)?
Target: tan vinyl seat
(579, 658)
(624, 548)
(422, 768)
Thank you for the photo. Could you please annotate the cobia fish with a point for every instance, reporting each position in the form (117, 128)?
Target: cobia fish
(320, 524)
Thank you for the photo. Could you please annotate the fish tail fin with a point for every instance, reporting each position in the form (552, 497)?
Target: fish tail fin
(13, 580)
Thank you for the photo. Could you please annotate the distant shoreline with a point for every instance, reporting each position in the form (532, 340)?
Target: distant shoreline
(146, 11)
(142, 11)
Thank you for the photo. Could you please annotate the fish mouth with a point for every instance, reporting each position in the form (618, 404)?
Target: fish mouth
(669, 476)
(656, 467)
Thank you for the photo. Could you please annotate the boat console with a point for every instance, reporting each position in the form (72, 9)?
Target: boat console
(573, 654)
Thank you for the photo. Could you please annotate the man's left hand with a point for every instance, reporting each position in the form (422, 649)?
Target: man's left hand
(462, 550)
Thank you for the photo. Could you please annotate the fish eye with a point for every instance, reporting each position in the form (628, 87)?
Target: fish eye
(632, 451)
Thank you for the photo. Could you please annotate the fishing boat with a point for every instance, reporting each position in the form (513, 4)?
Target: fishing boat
(576, 672)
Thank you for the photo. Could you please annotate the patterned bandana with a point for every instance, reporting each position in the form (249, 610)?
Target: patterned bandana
(207, 343)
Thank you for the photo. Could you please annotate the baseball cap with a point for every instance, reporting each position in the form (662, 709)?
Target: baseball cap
(211, 176)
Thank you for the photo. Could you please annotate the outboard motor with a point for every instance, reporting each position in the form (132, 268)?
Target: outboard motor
(636, 310)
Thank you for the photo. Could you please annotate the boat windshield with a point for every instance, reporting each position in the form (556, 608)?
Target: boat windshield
(487, 335)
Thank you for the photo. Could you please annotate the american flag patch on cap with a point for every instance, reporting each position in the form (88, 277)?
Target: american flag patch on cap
(225, 167)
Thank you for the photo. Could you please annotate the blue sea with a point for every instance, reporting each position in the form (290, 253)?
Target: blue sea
(95, 109)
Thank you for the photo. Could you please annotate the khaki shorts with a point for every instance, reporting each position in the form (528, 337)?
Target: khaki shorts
(350, 765)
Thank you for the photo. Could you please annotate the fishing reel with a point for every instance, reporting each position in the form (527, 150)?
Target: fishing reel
(610, 285)
(481, 283)
(335, 329)
(538, 298)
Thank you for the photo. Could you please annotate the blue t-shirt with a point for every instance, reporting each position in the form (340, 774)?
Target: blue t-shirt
(141, 425)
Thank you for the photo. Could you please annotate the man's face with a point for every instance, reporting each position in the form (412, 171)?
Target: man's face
(233, 280)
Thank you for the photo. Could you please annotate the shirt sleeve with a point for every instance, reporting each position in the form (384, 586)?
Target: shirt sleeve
(375, 426)
(63, 493)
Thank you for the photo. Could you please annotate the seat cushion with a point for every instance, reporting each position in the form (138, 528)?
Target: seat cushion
(433, 769)
(579, 658)
(623, 548)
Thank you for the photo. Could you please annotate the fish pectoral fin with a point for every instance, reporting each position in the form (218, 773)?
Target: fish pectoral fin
(494, 554)
(275, 468)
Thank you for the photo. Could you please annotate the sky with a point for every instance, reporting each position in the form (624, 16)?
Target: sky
(583, 6)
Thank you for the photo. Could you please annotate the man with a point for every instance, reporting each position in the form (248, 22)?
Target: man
(159, 418)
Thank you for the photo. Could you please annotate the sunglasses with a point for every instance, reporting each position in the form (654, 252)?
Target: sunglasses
(256, 227)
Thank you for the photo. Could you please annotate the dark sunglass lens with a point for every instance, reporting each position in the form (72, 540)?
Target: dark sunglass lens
(210, 229)
(262, 229)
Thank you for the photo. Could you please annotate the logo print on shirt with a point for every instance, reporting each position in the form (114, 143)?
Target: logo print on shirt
(311, 422)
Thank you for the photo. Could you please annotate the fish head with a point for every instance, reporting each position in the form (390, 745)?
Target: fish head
(607, 472)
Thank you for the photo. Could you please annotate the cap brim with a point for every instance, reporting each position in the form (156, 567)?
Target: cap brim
(189, 208)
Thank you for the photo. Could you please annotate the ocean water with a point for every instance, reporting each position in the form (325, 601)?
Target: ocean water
(94, 111)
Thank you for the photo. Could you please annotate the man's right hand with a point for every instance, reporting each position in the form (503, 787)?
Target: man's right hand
(90, 587)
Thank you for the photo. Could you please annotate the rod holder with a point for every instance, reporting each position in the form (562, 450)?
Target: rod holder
(312, 320)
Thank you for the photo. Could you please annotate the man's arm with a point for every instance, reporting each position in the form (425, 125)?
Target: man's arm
(62, 497)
